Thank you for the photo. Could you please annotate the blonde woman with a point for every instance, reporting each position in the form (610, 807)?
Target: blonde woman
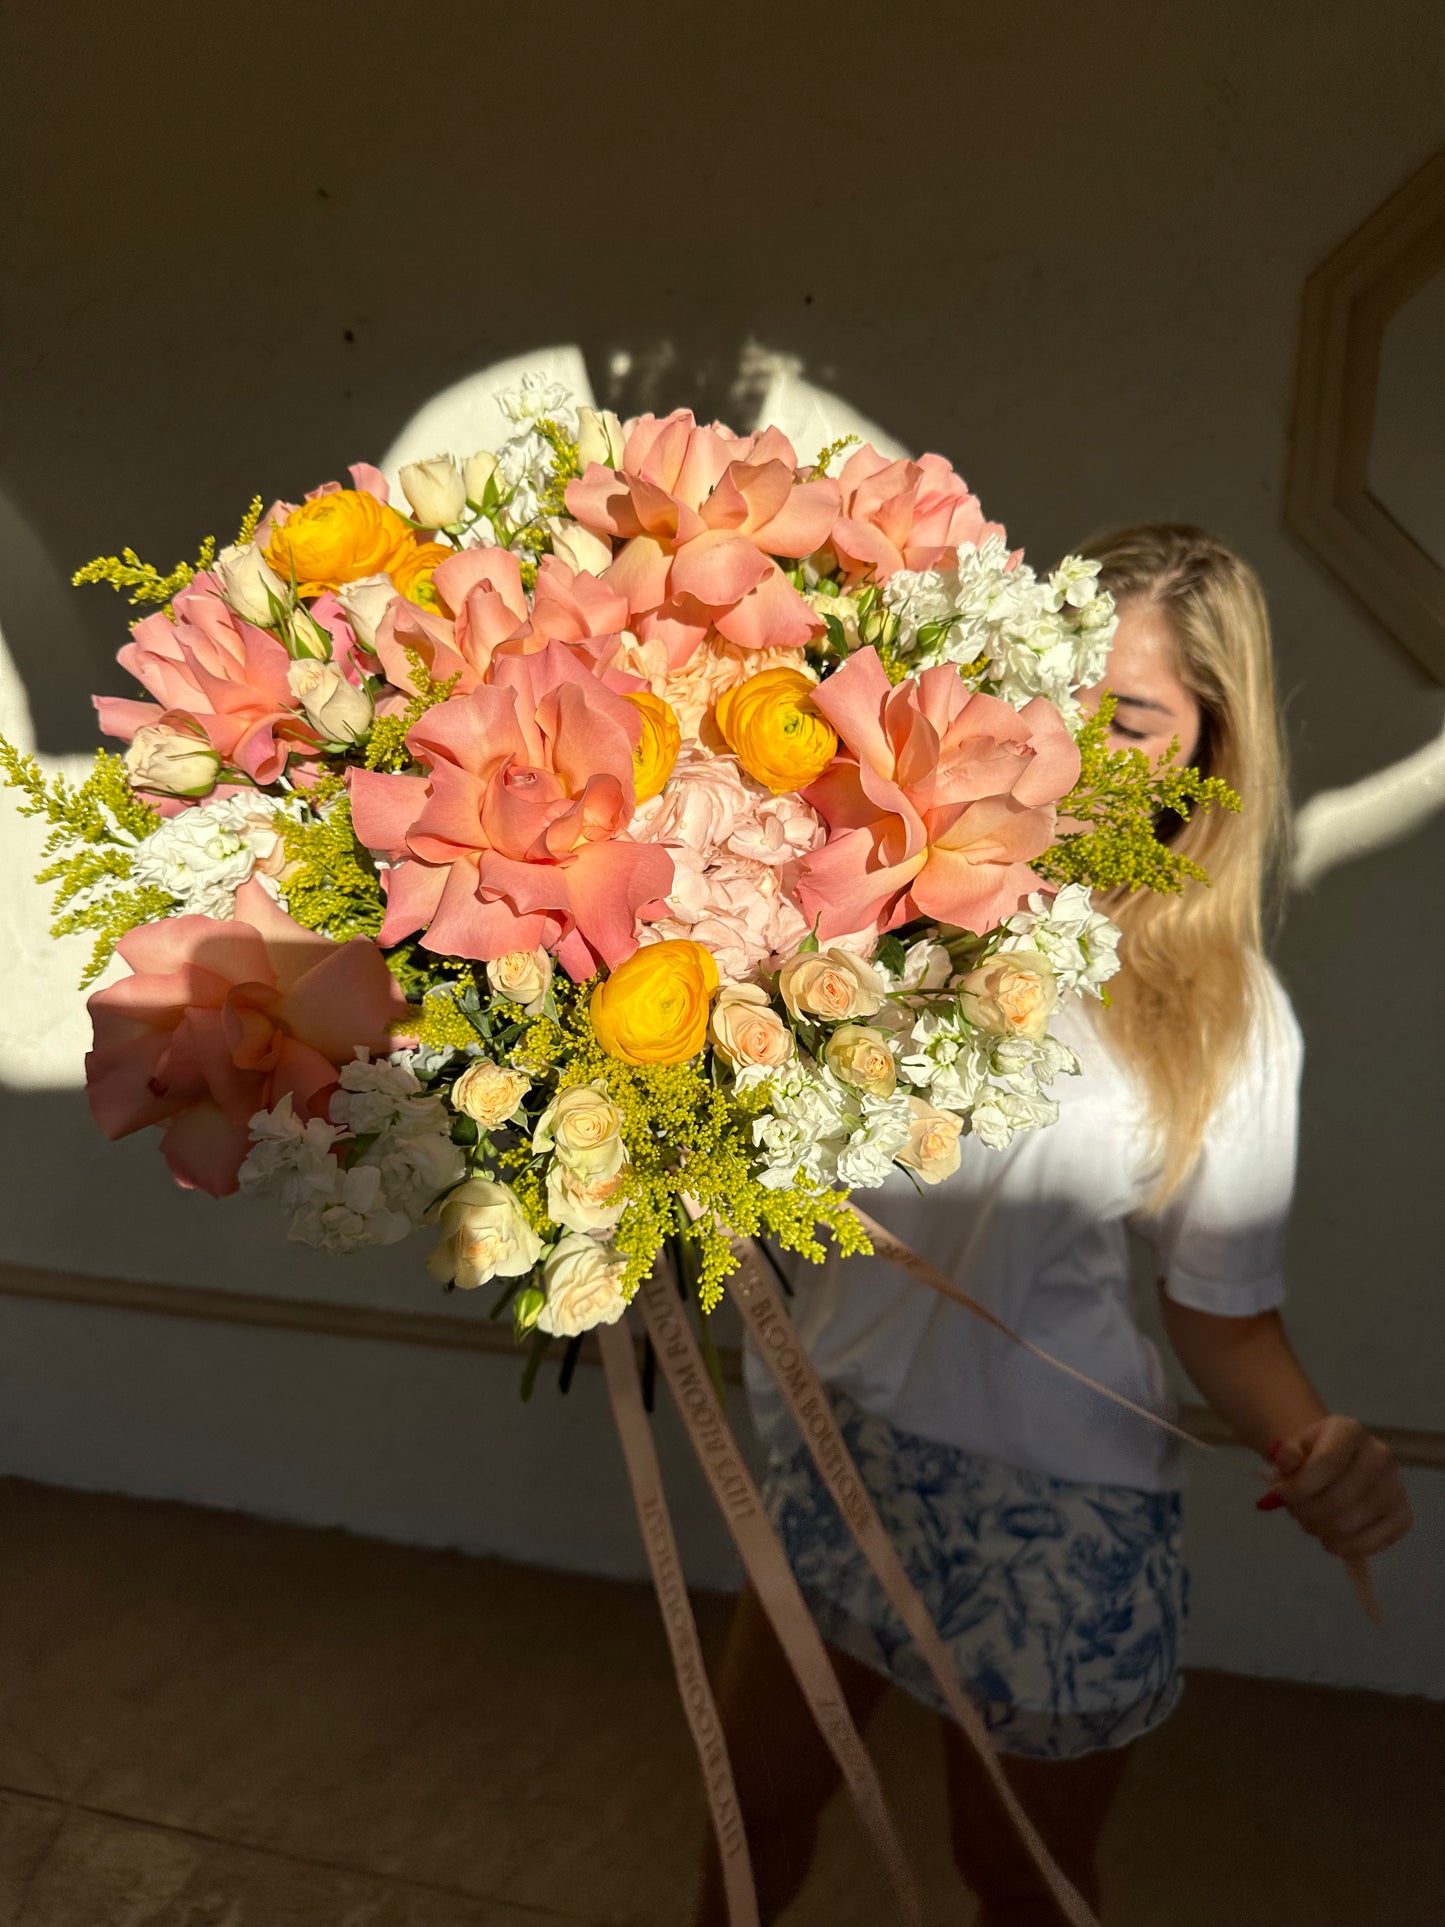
(1041, 1525)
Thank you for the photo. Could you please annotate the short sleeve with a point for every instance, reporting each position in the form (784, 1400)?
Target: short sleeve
(1220, 1238)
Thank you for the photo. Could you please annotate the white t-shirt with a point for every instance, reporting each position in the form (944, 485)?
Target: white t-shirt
(1038, 1233)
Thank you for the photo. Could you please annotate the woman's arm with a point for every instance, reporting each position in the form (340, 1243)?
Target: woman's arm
(1339, 1481)
(1246, 1370)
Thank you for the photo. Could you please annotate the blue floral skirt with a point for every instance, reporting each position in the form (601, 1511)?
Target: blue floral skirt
(1062, 1604)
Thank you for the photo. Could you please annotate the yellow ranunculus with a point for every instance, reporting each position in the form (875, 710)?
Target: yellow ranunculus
(656, 753)
(411, 572)
(337, 538)
(770, 725)
(653, 1009)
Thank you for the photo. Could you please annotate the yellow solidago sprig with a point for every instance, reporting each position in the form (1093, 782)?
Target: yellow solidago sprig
(95, 827)
(334, 887)
(1118, 798)
(685, 1133)
(386, 745)
(145, 581)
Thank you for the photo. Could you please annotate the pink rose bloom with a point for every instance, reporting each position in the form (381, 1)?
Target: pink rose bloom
(212, 669)
(483, 588)
(221, 1020)
(701, 514)
(494, 618)
(517, 836)
(902, 515)
(939, 804)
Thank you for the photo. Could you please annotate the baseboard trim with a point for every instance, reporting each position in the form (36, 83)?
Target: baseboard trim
(463, 1332)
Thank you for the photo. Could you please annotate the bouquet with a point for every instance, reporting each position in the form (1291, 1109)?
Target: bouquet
(639, 836)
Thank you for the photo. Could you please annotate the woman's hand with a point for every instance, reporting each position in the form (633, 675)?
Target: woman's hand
(1343, 1486)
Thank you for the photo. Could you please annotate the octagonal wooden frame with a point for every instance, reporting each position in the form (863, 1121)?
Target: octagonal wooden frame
(1348, 302)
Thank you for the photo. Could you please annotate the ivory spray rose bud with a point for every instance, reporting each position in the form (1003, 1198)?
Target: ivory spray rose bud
(831, 985)
(171, 762)
(599, 438)
(583, 1127)
(579, 548)
(933, 1149)
(364, 603)
(436, 491)
(253, 589)
(747, 1030)
(333, 706)
(477, 471)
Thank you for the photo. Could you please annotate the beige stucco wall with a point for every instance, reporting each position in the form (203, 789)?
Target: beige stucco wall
(1065, 246)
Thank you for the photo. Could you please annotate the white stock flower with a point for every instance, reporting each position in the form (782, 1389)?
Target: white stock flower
(1080, 943)
(535, 397)
(820, 1129)
(525, 463)
(204, 855)
(1037, 638)
(584, 1286)
(290, 1158)
(414, 1170)
(380, 1095)
(355, 1216)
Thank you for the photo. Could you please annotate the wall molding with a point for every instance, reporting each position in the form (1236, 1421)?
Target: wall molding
(469, 1333)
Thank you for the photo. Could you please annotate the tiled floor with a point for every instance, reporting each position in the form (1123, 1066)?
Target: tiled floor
(208, 1721)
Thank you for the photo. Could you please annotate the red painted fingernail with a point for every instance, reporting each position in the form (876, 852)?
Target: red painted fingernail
(1271, 1502)
(1272, 1452)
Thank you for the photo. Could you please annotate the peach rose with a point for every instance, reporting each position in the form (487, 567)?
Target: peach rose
(489, 1093)
(1012, 995)
(859, 1056)
(831, 986)
(934, 1148)
(747, 1030)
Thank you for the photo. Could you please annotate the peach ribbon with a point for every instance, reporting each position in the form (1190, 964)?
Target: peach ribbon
(767, 1568)
(885, 1245)
(782, 1351)
(645, 1476)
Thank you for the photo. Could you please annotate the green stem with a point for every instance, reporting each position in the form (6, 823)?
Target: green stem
(540, 1342)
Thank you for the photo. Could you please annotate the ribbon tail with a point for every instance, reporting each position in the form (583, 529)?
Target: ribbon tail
(645, 1476)
(902, 1255)
(779, 1346)
(772, 1578)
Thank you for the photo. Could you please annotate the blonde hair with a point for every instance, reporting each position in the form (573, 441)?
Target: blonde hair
(1182, 1005)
